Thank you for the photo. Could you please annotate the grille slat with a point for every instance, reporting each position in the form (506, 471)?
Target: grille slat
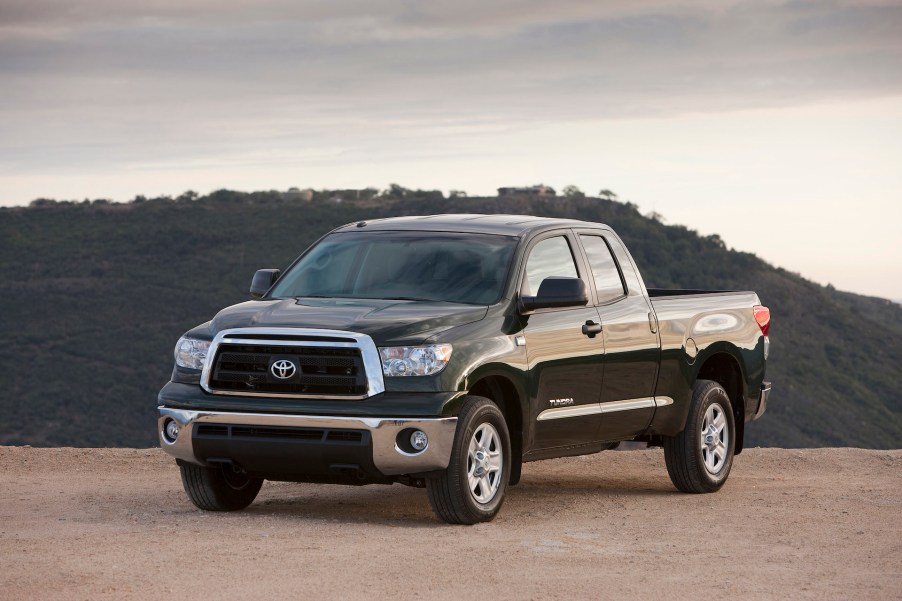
(345, 435)
(261, 432)
(243, 358)
(329, 361)
(211, 430)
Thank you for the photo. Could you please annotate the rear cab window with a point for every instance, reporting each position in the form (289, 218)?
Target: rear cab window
(609, 284)
(630, 275)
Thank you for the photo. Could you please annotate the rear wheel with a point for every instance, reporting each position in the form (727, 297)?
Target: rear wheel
(223, 488)
(700, 457)
(472, 489)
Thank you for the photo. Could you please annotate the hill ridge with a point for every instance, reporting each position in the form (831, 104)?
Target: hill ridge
(94, 295)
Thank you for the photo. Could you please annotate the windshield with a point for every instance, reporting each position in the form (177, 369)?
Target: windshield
(433, 266)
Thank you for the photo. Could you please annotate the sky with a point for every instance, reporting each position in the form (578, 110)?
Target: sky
(777, 125)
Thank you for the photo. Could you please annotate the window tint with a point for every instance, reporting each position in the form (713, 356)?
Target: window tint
(604, 269)
(629, 272)
(551, 257)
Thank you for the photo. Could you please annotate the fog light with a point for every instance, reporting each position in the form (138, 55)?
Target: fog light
(170, 431)
(418, 440)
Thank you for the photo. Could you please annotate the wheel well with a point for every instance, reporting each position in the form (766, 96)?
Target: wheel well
(725, 370)
(502, 391)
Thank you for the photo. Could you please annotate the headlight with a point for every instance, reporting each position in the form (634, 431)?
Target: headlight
(414, 360)
(191, 353)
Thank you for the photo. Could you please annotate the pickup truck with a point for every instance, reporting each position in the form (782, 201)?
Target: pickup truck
(444, 351)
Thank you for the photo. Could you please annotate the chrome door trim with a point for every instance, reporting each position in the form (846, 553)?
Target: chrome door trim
(627, 405)
(602, 408)
(561, 412)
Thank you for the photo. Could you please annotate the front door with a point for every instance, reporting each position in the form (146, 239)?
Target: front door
(565, 365)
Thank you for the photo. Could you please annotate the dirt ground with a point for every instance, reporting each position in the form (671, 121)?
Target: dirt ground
(790, 524)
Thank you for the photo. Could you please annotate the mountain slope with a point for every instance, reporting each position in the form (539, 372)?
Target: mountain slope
(94, 296)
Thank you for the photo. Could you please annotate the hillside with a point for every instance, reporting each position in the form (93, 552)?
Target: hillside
(94, 295)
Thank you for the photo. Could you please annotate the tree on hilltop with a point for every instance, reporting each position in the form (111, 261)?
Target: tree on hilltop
(572, 191)
(396, 191)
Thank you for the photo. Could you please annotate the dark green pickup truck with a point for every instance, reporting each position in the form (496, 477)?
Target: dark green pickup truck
(444, 351)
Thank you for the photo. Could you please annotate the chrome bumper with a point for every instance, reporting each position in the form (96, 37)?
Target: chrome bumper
(388, 458)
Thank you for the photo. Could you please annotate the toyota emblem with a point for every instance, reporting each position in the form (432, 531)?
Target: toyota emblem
(283, 369)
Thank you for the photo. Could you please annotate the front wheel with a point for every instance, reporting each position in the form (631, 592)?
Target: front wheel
(700, 457)
(221, 488)
(472, 489)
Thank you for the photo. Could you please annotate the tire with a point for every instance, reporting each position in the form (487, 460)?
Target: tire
(222, 488)
(700, 457)
(460, 495)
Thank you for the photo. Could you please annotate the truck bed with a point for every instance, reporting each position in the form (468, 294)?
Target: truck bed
(701, 323)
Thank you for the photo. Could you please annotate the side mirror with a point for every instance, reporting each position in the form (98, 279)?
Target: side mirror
(263, 281)
(556, 292)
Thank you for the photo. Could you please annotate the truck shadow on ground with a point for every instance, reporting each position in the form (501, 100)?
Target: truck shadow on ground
(576, 485)
(398, 505)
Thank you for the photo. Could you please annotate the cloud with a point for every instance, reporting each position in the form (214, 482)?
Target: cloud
(108, 82)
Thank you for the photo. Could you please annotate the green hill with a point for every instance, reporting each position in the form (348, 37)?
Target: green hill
(94, 295)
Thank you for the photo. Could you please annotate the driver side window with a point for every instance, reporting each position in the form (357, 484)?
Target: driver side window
(550, 257)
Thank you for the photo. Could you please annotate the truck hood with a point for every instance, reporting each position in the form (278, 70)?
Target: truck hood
(385, 321)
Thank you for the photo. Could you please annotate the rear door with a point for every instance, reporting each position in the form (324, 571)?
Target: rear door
(632, 349)
(565, 365)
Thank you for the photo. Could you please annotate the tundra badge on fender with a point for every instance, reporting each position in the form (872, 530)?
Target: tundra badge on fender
(560, 402)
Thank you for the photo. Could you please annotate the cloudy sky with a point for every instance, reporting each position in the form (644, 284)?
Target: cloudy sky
(777, 125)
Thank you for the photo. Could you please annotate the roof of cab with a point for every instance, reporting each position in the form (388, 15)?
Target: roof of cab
(505, 225)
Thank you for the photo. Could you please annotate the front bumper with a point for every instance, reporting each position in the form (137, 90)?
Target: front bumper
(274, 438)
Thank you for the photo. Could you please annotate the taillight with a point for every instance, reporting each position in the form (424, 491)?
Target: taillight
(762, 316)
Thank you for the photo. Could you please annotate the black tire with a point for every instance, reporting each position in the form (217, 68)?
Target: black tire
(450, 494)
(222, 488)
(692, 456)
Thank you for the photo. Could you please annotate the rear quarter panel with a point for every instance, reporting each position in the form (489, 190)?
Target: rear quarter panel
(695, 328)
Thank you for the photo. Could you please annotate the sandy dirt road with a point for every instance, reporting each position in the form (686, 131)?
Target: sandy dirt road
(790, 524)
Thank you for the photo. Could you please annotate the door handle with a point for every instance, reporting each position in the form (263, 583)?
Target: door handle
(590, 328)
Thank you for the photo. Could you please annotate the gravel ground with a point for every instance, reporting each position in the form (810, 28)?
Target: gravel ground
(790, 524)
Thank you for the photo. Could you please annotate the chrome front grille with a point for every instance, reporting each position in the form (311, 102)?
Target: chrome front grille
(316, 364)
(318, 370)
